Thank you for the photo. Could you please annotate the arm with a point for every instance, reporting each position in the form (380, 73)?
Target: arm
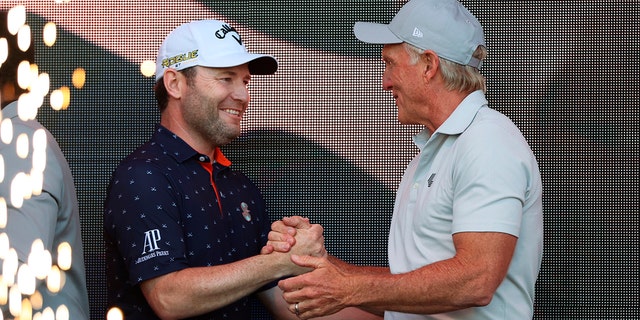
(280, 309)
(39, 215)
(34, 217)
(198, 290)
(195, 291)
(468, 279)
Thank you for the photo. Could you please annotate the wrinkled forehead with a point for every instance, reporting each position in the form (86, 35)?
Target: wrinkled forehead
(393, 51)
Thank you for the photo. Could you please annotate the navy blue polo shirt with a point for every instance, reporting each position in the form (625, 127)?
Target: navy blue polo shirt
(168, 208)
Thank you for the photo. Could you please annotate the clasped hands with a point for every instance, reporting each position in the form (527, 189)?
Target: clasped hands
(322, 290)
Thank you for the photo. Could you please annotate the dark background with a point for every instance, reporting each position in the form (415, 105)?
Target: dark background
(321, 139)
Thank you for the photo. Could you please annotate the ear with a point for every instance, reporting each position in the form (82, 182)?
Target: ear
(431, 63)
(173, 81)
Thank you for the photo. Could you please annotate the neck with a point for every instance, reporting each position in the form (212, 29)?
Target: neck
(175, 123)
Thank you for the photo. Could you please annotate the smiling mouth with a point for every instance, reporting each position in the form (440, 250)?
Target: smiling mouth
(233, 112)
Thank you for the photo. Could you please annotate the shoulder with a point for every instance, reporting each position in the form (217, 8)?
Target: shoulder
(491, 130)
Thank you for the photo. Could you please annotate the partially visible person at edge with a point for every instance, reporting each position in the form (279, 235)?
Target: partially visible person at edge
(466, 235)
(50, 215)
(184, 230)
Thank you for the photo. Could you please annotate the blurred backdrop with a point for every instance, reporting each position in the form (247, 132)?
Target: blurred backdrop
(321, 137)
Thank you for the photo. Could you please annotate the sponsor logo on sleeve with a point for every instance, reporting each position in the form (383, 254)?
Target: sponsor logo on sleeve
(151, 247)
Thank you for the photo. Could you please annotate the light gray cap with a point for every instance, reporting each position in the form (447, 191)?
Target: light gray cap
(444, 26)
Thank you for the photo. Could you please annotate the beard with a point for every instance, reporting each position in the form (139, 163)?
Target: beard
(205, 121)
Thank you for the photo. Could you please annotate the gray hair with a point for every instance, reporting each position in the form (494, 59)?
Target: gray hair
(456, 76)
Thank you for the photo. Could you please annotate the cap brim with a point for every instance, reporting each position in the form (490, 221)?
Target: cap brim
(374, 33)
(259, 64)
(263, 65)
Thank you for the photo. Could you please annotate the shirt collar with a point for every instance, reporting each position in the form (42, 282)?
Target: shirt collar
(174, 146)
(459, 119)
(463, 115)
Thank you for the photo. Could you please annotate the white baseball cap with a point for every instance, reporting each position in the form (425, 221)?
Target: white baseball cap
(209, 43)
(444, 26)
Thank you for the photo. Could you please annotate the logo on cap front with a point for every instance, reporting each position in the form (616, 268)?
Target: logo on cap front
(222, 33)
(179, 58)
(417, 33)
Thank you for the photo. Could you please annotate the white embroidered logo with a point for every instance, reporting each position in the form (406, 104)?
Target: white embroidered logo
(151, 239)
(417, 33)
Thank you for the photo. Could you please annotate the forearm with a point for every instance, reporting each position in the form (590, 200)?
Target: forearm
(195, 291)
(433, 289)
(467, 280)
(347, 267)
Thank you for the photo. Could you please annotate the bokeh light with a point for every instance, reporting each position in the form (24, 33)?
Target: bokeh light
(55, 279)
(16, 18)
(4, 50)
(18, 185)
(6, 131)
(50, 34)
(78, 78)
(36, 300)
(60, 98)
(4, 293)
(3, 224)
(27, 309)
(148, 68)
(22, 145)
(15, 301)
(64, 256)
(18, 281)
(1, 168)
(24, 38)
(28, 105)
(10, 267)
(24, 74)
(4, 239)
(39, 260)
(41, 85)
(26, 280)
(62, 313)
(47, 314)
(115, 314)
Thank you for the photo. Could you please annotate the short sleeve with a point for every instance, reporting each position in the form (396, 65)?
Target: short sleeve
(141, 212)
(490, 178)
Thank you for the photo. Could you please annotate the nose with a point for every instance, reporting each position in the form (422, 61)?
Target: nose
(386, 81)
(241, 94)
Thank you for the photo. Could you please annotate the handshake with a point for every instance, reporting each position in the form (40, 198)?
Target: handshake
(319, 286)
(296, 236)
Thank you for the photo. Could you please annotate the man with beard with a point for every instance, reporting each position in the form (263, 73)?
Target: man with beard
(184, 230)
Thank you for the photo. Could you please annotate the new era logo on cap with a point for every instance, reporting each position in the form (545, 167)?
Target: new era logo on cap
(417, 33)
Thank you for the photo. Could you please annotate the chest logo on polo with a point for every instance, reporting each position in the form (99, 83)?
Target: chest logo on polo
(431, 178)
(245, 211)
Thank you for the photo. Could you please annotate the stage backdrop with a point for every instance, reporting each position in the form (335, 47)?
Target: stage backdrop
(321, 138)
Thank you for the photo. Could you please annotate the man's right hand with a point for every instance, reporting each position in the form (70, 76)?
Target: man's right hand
(289, 231)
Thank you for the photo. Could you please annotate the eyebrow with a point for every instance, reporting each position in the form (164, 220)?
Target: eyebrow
(225, 72)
